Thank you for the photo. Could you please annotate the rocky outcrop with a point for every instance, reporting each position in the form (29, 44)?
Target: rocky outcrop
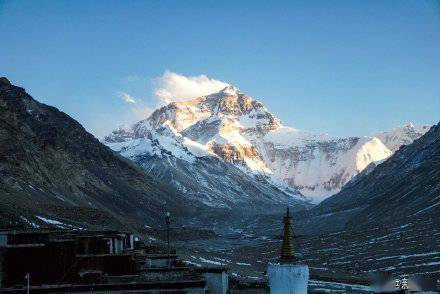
(234, 154)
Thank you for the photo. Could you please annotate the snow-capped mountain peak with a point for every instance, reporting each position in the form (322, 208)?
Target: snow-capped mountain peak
(230, 90)
(240, 131)
(226, 107)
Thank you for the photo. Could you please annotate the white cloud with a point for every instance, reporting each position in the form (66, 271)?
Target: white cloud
(176, 87)
(127, 98)
(138, 107)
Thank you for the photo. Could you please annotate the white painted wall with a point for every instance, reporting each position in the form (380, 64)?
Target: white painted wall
(288, 278)
(131, 242)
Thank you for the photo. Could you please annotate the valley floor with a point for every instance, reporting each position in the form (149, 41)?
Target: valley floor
(334, 259)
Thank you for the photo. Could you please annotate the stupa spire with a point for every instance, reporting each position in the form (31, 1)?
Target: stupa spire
(287, 252)
(287, 276)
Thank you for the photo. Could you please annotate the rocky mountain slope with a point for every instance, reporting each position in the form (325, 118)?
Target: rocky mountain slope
(53, 173)
(344, 256)
(240, 131)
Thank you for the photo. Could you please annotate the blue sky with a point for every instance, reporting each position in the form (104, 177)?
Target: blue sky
(337, 67)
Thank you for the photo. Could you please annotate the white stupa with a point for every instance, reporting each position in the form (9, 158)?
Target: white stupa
(286, 276)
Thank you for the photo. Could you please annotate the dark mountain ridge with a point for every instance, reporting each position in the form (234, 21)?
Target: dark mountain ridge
(51, 168)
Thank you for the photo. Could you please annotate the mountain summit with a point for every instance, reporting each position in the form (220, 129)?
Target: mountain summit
(240, 131)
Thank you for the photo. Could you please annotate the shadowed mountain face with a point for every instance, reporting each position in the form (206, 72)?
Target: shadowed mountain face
(54, 173)
(403, 189)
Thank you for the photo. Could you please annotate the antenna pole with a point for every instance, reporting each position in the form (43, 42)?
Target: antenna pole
(168, 222)
(27, 277)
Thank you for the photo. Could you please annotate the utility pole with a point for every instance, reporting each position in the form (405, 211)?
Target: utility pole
(168, 222)
(27, 278)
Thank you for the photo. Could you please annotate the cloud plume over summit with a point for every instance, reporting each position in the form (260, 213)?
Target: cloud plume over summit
(172, 86)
